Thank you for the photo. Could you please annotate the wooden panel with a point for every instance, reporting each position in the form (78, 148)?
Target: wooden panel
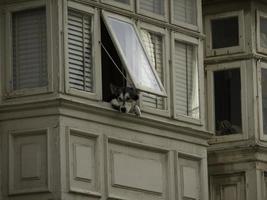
(83, 162)
(189, 178)
(28, 162)
(227, 187)
(136, 172)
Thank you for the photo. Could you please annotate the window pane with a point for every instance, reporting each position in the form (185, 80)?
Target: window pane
(225, 32)
(154, 46)
(80, 51)
(29, 49)
(186, 80)
(264, 98)
(136, 60)
(185, 11)
(263, 32)
(154, 6)
(123, 1)
(227, 89)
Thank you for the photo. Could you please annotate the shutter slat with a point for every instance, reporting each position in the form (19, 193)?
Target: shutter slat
(29, 48)
(153, 6)
(80, 51)
(185, 11)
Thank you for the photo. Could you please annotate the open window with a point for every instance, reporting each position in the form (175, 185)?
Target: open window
(131, 60)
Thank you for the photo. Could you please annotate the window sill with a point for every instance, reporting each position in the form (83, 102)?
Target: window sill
(28, 92)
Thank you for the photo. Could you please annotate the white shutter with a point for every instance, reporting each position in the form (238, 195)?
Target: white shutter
(80, 51)
(185, 11)
(153, 6)
(29, 49)
(154, 46)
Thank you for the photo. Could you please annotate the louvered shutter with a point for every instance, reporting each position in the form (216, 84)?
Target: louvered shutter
(153, 45)
(153, 6)
(186, 81)
(185, 11)
(80, 51)
(29, 49)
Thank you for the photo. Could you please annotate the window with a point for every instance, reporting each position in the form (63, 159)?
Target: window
(28, 60)
(81, 43)
(132, 54)
(265, 184)
(154, 40)
(264, 96)
(185, 12)
(153, 8)
(185, 77)
(262, 32)
(125, 4)
(227, 91)
(225, 33)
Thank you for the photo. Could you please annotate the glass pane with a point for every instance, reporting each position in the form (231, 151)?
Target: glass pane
(225, 32)
(136, 60)
(154, 6)
(263, 32)
(123, 1)
(227, 89)
(264, 98)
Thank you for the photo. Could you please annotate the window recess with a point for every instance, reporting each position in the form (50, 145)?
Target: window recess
(185, 77)
(227, 92)
(132, 54)
(29, 44)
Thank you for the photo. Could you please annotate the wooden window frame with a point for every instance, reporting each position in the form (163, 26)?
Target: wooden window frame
(153, 15)
(198, 26)
(129, 7)
(259, 48)
(10, 92)
(211, 100)
(164, 34)
(97, 94)
(198, 48)
(226, 50)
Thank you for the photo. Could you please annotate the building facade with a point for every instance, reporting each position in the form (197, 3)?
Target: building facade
(60, 136)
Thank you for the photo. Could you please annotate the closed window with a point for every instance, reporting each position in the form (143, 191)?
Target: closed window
(186, 83)
(29, 54)
(80, 59)
(153, 8)
(227, 92)
(185, 11)
(153, 43)
(264, 96)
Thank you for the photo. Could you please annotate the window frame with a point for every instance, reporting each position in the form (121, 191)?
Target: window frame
(10, 92)
(175, 36)
(141, 88)
(97, 78)
(153, 15)
(211, 100)
(225, 50)
(260, 66)
(166, 54)
(196, 27)
(129, 7)
(258, 29)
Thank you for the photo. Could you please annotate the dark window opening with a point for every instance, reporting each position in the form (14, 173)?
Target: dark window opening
(263, 32)
(110, 73)
(264, 98)
(225, 32)
(227, 89)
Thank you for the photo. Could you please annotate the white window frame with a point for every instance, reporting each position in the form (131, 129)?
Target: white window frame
(226, 50)
(259, 48)
(197, 27)
(259, 67)
(166, 53)
(123, 59)
(153, 15)
(129, 7)
(211, 100)
(10, 92)
(97, 78)
(198, 48)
